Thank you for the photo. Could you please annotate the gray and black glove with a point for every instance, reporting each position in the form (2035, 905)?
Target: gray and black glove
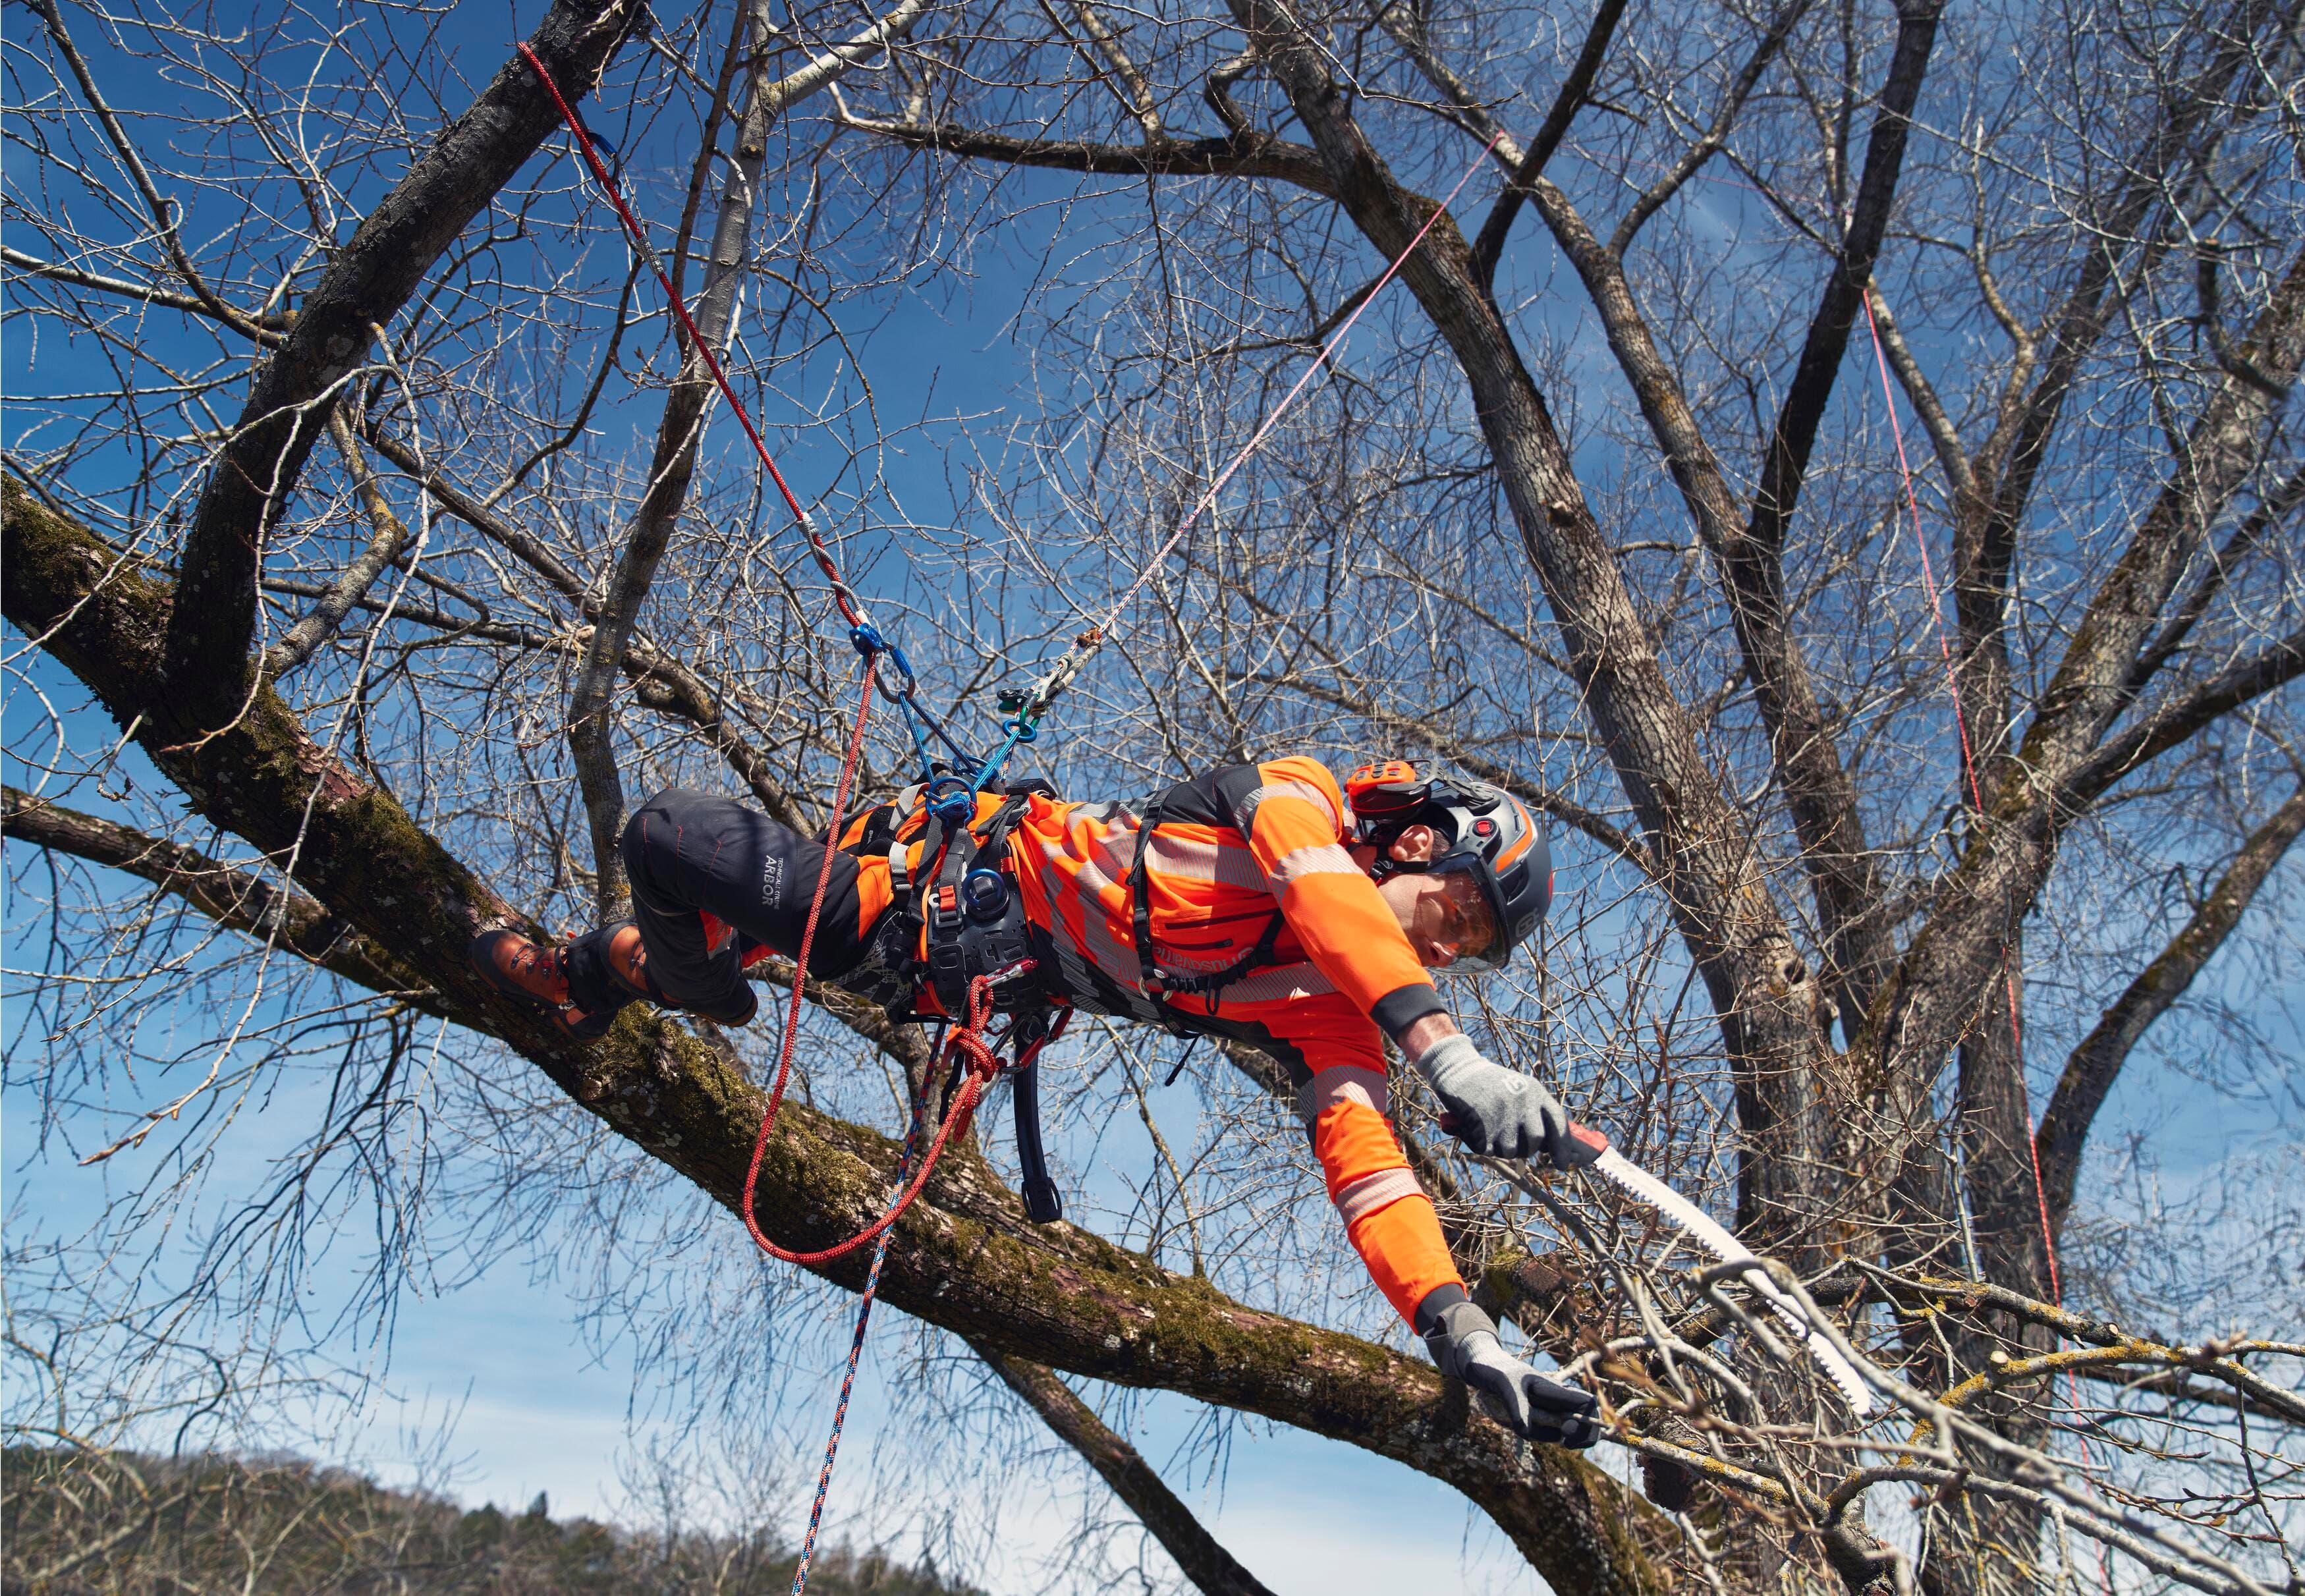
(1493, 1110)
(1463, 1341)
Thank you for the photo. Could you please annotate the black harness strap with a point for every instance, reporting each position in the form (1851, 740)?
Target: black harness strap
(1043, 1203)
(968, 899)
(1210, 984)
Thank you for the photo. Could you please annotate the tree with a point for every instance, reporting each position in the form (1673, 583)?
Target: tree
(146, 1526)
(1835, 860)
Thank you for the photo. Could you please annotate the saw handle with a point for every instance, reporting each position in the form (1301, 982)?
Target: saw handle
(1583, 1145)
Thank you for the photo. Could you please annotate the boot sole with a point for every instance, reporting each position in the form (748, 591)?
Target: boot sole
(482, 953)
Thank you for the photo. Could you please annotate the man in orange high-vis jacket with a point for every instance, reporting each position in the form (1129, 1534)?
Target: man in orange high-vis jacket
(1256, 902)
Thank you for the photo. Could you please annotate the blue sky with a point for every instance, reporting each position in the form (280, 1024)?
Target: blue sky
(500, 1377)
(538, 1405)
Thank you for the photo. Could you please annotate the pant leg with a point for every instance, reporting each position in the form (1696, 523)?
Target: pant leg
(686, 851)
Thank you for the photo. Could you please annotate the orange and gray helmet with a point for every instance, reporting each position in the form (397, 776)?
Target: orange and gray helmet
(1489, 833)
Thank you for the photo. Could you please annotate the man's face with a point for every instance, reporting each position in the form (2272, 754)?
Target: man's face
(1445, 916)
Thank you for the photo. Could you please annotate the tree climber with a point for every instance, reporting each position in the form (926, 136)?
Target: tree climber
(1254, 903)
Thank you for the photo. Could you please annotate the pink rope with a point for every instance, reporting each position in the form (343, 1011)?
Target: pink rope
(1273, 417)
(1976, 790)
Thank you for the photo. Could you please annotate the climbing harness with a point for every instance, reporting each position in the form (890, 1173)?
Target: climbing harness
(969, 911)
(981, 954)
(975, 914)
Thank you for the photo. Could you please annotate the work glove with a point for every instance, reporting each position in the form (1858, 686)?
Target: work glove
(1463, 1341)
(1493, 1110)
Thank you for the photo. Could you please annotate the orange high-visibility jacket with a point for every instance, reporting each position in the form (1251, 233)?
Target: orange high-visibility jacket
(1228, 848)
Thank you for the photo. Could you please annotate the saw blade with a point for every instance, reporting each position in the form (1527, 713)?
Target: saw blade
(1639, 1184)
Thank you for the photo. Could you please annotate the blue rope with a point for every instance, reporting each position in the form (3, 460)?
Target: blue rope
(948, 796)
(856, 1343)
(1020, 730)
(871, 644)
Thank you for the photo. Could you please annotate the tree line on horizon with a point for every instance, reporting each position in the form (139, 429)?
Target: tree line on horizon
(127, 1523)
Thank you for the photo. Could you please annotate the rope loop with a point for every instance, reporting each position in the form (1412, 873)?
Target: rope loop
(950, 798)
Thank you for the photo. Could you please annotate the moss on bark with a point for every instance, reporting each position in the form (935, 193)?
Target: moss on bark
(965, 1257)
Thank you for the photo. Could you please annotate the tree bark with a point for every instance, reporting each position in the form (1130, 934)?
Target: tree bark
(965, 1257)
(367, 282)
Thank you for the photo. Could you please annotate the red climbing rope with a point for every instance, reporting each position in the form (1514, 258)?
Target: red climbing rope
(965, 1103)
(966, 1044)
(848, 1379)
(968, 1038)
(1976, 790)
(852, 608)
(1977, 798)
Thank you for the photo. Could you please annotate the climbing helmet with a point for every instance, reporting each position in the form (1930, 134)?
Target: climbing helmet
(1486, 833)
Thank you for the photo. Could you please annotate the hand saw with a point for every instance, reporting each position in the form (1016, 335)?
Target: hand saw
(1638, 1182)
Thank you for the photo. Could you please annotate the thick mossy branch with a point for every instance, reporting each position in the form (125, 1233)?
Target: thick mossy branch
(965, 1257)
(235, 899)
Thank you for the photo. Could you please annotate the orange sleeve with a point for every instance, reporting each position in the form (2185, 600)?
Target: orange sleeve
(1386, 1214)
(1294, 823)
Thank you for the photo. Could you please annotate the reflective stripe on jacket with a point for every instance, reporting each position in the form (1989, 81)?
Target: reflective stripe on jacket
(1232, 846)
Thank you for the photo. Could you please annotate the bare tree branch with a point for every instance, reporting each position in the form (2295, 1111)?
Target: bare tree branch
(1489, 247)
(2092, 1067)
(2223, 448)
(384, 546)
(366, 284)
(2180, 719)
(1786, 461)
(235, 899)
(1205, 1562)
(1247, 155)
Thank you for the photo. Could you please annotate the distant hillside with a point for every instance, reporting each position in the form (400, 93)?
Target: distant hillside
(131, 1525)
